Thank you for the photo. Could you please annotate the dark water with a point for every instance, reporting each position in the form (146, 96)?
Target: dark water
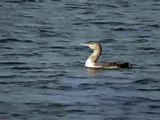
(42, 73)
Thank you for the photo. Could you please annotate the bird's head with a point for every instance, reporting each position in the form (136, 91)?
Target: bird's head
(93, 45)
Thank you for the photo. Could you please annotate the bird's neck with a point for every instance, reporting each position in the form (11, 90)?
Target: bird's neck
(93, 58)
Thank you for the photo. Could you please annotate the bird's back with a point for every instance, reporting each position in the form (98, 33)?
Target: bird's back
(116, 65)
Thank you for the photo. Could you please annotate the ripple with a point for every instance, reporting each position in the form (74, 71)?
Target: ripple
(12, 63)
(154, 26)
(6, 40)
(24, 54)
(8, 76)
(58, 47)
(141, 40)
(123, 29)
(48, 33)
(76, 110)
(75, 6)
(86, 86)
(21, 1)
(86, 13)
(22, 68)
(115, 23)
(145, 81)
(9, 40)
(5, 47)
(148, 49)
(149, 89)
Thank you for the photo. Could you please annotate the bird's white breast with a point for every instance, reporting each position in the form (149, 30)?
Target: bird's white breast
(90, 63)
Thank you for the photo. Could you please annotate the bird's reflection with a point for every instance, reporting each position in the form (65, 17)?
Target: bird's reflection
(94, 71)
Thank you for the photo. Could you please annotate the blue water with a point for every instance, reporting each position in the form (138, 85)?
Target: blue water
(42, 73)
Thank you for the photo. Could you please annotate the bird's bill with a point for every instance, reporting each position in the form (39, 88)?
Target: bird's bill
(84, 44)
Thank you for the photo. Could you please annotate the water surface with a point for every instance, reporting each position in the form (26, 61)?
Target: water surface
(42, 73)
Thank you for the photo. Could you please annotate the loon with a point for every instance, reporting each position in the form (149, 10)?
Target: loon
(91, 62)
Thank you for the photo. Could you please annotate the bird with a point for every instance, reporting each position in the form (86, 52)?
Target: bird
(92, 61)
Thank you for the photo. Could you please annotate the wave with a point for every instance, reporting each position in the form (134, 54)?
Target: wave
(6, 40)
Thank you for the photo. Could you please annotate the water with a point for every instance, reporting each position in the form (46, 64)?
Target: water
(42, 73)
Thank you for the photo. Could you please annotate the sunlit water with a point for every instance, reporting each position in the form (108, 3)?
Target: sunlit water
(42, 73)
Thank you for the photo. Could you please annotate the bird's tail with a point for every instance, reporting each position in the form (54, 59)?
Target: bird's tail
(125, 65)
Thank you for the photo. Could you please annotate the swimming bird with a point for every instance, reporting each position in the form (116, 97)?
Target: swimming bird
(92, 61)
